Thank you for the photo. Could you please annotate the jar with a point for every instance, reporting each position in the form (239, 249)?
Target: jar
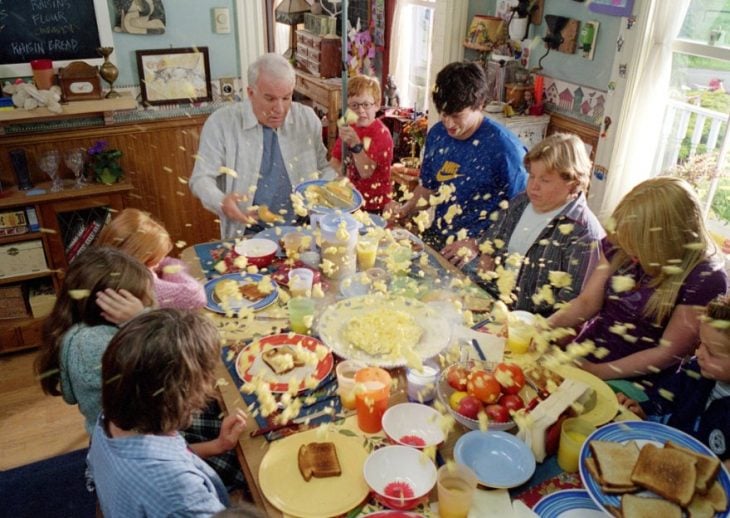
(42, 73)
(339, 234)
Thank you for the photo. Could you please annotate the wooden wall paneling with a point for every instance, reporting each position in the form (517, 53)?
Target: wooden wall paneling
(157, 160)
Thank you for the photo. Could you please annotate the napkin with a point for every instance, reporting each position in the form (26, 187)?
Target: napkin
(532, 431)
(492, 346)
(497, 503)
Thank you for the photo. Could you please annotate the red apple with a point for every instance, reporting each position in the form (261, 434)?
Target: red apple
(497, 413)
(469, 406)
(511, 402)
(456, 377)
(510, 377)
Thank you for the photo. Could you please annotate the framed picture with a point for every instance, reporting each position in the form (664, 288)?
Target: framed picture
(612, 7)
(174, 75)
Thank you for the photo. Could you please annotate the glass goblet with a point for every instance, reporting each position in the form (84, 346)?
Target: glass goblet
(49, 162)
(74, 160)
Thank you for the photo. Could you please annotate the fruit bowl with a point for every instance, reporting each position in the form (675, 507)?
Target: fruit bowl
(445, 390)
(258, 251)
(413, 424)
(400, 477)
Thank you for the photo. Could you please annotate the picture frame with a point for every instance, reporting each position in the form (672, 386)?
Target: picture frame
(179, 75)
(612, 7)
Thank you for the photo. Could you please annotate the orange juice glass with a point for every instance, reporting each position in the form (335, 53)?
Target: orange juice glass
(455, 484)
(346, 371)
(371, 398)
(573, 433)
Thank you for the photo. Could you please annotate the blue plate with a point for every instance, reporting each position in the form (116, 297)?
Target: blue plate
(241, 278)
(642, 432)
(499, 459)
(569, 503)
(356, 198)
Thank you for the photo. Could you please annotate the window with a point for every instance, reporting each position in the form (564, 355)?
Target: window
(695, 141)
(411, 51)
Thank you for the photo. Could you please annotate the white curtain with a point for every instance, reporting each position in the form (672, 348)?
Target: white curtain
(644, 100)
(251, 27)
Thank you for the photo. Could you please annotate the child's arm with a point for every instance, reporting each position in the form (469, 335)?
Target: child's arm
(118, 306)
(175, 288)
(231, 428)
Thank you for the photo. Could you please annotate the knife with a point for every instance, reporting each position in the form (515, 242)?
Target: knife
(294, 422)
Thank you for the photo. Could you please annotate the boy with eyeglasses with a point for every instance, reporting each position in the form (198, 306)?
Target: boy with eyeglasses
(469, 166)
(369, 145)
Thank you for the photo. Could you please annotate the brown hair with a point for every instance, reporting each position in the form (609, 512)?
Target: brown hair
(718, 310)
(138, 234)
(158, 370)
(565, 154)
(363, 85)
(94, 270)
(659, 223)
(459, 86)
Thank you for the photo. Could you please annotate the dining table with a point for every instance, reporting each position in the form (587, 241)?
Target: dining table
(237, 332)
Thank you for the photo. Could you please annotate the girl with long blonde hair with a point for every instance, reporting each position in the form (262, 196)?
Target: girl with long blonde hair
(659, 269)
(138, 234)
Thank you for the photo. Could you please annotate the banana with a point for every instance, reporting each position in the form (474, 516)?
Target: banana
(349, 118)
(267, 216)
(339, 190)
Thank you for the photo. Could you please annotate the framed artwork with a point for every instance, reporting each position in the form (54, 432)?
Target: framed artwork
(174, 75)
(612, 7)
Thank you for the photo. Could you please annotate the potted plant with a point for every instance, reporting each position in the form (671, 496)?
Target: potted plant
(103, 164)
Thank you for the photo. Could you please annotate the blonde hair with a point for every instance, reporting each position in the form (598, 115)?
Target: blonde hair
(363, 85)
(654, 224)
(136, 233)
(565, 154)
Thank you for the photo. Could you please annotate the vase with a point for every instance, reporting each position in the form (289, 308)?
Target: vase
(108, 71)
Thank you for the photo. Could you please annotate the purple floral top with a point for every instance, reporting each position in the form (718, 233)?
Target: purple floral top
(707, 280)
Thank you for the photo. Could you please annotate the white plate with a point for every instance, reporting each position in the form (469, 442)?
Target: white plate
(642, 432)
(436, 332)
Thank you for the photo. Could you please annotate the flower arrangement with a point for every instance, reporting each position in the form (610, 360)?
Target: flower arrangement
(416, 132)
(104, 163)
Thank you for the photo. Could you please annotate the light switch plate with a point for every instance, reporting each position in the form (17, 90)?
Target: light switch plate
(222, 20)
(227, 88)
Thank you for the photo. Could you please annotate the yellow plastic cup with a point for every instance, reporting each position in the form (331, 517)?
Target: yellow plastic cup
(573, 433)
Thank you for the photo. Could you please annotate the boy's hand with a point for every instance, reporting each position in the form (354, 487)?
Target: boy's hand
(460, 252)
(231, 428)
(118, 306)
(630, 404)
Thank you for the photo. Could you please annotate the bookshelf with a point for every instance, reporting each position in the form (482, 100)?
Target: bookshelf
(66, 222)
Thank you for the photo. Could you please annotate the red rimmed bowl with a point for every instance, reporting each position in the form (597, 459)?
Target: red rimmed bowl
(257, 251)
(413, 424)
(400, 477)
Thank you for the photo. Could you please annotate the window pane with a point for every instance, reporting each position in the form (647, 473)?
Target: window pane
(707, 21)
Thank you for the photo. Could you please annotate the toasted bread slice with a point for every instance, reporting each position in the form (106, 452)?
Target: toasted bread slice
(707, 466)
(281, 359)
(717, 497)
(700, 508)
(633, 506)
(615, 462)
(668, 472)
(318, 459)
(593, 470)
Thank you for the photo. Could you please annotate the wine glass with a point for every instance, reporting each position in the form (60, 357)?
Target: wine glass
(49, 161)
(74, 160)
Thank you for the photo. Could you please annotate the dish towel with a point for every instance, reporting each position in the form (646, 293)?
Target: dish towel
(546, 413)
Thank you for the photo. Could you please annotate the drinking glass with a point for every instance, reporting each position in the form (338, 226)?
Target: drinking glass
(301, 314)
(573, 433)
(49, 161)
(372, 390)
(74, 160)
(455, 484)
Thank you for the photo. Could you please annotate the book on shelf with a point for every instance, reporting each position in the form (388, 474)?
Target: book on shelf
(84, 235)
(13, 222)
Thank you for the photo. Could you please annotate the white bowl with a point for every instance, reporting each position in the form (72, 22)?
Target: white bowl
(259, 251)
(401, 477)
(413, 424)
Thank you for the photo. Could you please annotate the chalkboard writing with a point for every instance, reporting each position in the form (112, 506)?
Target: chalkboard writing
(51, 29)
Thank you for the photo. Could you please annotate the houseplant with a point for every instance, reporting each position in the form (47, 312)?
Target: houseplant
(103, 164)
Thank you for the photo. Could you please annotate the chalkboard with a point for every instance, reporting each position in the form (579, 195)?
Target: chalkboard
(60, 30)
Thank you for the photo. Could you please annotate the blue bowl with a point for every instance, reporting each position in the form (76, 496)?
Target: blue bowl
(499, 459)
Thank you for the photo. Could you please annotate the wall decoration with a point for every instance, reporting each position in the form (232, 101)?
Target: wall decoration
(612, 7)
(576, 101)
(587, 38)
(174, 75)
(377, 21)
(140, 16)
(567, 28)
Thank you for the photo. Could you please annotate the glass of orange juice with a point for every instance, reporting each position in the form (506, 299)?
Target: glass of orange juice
(367, 251)
(455, 484)
(573, 433)
(520, 329)
(372, 390)
(345, 372)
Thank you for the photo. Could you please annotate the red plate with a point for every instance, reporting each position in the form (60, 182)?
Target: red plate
(249, 362)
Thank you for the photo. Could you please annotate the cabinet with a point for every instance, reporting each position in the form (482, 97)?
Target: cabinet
(319, 55)
(57, 214)
(529, 129)
(327, 94)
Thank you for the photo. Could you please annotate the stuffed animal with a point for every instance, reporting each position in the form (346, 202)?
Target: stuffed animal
(28, 97)
(392, 98)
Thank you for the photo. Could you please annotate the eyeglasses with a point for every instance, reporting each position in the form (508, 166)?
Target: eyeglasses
(357, 106)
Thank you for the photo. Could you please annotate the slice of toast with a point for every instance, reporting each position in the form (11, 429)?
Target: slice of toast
(707, 466)
(667, 472)
(615, 462)
(281, 359)
(633, 506)
(716, 496)
(593, 470)
(318, 459)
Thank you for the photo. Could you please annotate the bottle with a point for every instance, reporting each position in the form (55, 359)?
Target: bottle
(339, 239)
(42, 73)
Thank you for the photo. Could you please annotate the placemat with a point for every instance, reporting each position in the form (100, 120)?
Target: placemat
(325, 392)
